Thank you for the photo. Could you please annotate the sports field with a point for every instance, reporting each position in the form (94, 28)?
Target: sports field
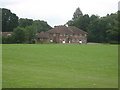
(60, 66)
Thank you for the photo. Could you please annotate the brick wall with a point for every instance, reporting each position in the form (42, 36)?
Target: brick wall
(75, 38)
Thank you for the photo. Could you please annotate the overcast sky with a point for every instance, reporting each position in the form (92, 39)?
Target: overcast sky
(58, 12)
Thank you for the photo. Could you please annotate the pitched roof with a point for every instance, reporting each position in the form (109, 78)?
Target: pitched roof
(6, 33)
(60, 29)
(66, 30)
(76, 30)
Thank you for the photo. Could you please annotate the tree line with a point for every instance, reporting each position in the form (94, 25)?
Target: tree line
(24, 29)
(100, 29)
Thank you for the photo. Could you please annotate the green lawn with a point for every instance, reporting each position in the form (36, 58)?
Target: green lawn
(60, 66)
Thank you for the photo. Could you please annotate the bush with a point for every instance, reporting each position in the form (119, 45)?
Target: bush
(7, 39)
(114, 42)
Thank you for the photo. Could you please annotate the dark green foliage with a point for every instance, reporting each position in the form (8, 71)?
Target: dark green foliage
(40, 26)
(9, 20)
(104, 29)
(19, 35)
(81, 22)
(29, 34)
(24, 35)
(23, 22)
(24, 29)
(7, 39)
(100, 29)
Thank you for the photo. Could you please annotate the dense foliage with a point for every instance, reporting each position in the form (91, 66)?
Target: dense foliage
(23, 29)
(9, 20)
(38, 25)
(100, 29)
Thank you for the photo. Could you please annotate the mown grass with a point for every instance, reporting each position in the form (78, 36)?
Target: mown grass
(60, 66)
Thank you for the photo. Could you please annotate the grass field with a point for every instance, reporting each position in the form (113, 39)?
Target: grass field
(60, 66)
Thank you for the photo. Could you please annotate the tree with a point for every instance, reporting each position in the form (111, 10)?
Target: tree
(81, 22)
(7, 39)
(30, 33)
(100, 29)
(9, 20)
(113, 31)
(77, 13)
(24, 22)
(19, 35)
(40, 26)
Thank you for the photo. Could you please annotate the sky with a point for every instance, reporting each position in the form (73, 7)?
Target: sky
(58, 12)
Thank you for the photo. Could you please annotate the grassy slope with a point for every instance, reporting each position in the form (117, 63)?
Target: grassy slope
(55, 66)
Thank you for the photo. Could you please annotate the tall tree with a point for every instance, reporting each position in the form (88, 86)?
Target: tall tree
(81, 22)
(100, 29)
(113, 31)
(9, 20)
(77, 13)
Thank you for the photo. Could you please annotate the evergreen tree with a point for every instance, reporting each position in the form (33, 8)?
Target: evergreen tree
(77, 13)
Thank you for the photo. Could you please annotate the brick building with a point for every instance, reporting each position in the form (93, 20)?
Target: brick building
(64, 34)
(6, 33)
(43, 37)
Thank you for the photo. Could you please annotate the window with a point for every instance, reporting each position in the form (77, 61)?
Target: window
(54, 34)
(82, 34)
(60, 34)
(66, 35)
(71, 35)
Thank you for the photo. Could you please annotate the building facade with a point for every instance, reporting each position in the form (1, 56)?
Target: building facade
(64, 34)
(6, 33)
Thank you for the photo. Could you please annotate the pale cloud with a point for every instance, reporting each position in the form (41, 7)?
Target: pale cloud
(5, 3)
(58, 12)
